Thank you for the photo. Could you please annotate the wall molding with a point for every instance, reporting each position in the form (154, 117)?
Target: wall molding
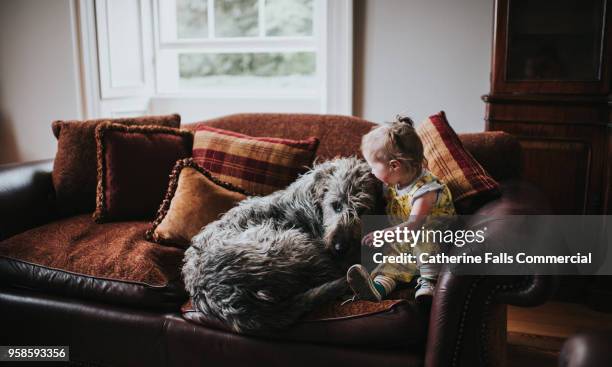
(339, 55)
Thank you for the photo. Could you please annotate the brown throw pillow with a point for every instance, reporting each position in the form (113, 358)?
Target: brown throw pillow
(74, 169)
(134, 164)
(256, 164)
(468, 181)
(194, 199)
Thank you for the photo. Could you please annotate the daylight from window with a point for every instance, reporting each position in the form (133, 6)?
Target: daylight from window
(244, 43)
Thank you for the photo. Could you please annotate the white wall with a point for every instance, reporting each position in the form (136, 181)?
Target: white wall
(412, 56)
(422, 56)
(38, 76)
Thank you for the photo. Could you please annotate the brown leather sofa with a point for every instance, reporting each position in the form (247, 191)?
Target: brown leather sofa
(110, 322)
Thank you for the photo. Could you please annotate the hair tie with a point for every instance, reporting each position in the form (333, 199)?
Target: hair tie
(405, 119)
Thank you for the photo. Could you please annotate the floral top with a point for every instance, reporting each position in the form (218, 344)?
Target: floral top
(400, 201)
(399, 206)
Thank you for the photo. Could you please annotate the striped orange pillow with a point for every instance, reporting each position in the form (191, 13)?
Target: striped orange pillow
(255, 164)
(468, 181)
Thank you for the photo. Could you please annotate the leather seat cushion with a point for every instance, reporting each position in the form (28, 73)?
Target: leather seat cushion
(394, 322)
(110, 262)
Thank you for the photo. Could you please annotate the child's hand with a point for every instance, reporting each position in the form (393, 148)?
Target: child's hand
(368, 240)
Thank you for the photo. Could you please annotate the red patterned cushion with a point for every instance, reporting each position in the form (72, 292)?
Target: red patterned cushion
(134, 165)
(256, 164)
(468, 181)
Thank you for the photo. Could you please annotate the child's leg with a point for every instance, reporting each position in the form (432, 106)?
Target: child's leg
(366, 288)
(384, 278)
(428, 273)
(384, 284)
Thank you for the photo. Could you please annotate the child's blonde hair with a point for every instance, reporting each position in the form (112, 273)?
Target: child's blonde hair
(395, 140)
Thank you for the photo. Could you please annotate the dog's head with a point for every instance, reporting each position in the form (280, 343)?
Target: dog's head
(345, 190)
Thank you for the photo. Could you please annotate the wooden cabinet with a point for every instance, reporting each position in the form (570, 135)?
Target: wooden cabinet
(550, 86)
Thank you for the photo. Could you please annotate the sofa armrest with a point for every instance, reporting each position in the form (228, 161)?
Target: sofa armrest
(467, 326)
(27, 198)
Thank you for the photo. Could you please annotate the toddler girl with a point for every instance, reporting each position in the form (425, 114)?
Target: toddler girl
(414, 197)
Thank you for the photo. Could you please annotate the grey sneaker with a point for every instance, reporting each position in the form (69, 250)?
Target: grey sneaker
(362, 285)
(425, 288)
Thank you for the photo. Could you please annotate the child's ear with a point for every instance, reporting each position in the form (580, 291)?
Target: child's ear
(394, 164)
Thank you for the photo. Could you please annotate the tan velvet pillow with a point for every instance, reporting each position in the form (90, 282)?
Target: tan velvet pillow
(194, 199)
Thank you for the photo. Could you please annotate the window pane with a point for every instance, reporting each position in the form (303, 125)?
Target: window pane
(236, 18)
(191, 19)
(288, 17)
(256, 70)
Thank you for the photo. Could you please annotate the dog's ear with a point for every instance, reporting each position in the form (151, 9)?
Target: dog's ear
(321, 174)
(323, 171)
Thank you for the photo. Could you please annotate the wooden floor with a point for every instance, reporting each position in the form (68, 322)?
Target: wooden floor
(536, 334)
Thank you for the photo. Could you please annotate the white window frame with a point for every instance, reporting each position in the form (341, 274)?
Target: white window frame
(101, 99)
(167, 47)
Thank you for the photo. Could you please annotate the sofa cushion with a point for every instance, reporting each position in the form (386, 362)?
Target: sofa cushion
(339, 135)
(109, 262)
(397, 321)
(255, 164)
(448, 159)
(194, 199)
(74, 169)
(134, 164)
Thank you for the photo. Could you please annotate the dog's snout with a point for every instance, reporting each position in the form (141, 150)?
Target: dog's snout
(340, 248)
(341, 243)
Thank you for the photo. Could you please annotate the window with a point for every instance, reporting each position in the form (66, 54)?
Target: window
(207, 58)
(225, 46)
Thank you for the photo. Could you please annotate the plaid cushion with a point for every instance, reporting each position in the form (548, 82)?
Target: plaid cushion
(257, 165)
(452, 163)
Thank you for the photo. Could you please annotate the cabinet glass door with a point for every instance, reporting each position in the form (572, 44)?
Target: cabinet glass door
(555, 40)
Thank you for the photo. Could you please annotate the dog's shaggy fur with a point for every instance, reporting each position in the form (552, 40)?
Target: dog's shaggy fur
(270, 259)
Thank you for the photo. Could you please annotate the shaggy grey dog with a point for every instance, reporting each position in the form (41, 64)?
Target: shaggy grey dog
(270, 259)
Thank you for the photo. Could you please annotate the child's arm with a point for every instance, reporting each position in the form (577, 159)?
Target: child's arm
(421, 208)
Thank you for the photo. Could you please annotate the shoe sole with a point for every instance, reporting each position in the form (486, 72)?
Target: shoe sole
(364, 290)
